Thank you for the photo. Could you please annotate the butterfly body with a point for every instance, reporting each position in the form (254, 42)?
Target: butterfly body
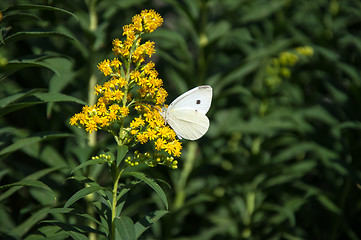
(187, 113)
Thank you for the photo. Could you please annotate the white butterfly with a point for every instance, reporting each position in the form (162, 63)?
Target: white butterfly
(187, 113)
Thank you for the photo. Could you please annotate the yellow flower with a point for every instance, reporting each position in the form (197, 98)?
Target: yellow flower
(166, 133)
(142, 138)
(115, 63)
(105, 68)
(288, 58)
(159, 144)
(305, 50)
(151, 20)
(152, 134)
(144, 49)
(137, 122)
(124, 111)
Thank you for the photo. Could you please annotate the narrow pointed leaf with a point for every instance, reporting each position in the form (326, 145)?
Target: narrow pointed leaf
(41, 7)
(28, 35)
(15, 65)
(125, 228)
(121, 152)
(25, 183)
(77, 236)
(17, 96)
(44, 212)
(152, 183)
(25, 226)
(58, 97)
(31, 140)
(33, 176)
(88, 163)
(144, 223)
(82, 193)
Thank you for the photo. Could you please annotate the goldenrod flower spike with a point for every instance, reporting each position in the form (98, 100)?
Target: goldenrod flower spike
(119, 98)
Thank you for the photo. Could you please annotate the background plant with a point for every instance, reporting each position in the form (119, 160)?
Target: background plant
(281, 158)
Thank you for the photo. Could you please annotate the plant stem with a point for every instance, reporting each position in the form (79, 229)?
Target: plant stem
(115, 196)
(93, 19)
(187, 169)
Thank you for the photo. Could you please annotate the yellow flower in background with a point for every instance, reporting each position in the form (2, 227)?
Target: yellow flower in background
(280, 67)
(130, 101)
(305, 50)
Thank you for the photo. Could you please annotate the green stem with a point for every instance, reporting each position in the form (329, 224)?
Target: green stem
(188, 167)
(114, 202)
(93, 19)
(336, 224)
(202, 44)
(91, 101)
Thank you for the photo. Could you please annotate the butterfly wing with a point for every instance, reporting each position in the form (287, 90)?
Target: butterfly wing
(186, 114)
(198, 98)
(187, 123)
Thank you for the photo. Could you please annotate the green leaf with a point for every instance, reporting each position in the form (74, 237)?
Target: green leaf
(121, 152)
(41, 7)
(88, 163)
(25, 226)
(20, 17)
(262, 11)
(82, 193)
(48, 232)
(4, 172)
(152, 183)
(353, 125)
(58, 97)
(9, 104)
(328, 204)
(77, 236)
(31, 140)
(50, 156)
(238, 73)
(25, 183)
(39, 34)
(145, 222)
(16, 106)
(33, 176)
(124, 228)
(44, 212)
(15, 65)
(17, 96)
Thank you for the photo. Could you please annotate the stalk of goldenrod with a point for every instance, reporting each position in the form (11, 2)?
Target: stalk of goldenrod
(129, 103)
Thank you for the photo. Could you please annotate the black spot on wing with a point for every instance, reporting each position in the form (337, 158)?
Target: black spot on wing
(198, 101)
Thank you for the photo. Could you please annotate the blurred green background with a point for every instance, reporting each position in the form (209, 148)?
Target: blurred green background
(281, 159)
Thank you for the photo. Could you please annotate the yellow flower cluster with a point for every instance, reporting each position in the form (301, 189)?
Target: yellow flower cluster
(280, 67)
(134, 88)
(305, 51)
(98, 116)
(145, 22)
(150, 126)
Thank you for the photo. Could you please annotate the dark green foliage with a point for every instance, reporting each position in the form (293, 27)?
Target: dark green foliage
(281, 159)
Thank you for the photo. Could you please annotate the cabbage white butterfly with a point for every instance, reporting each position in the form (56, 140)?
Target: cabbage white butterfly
(187, 113)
